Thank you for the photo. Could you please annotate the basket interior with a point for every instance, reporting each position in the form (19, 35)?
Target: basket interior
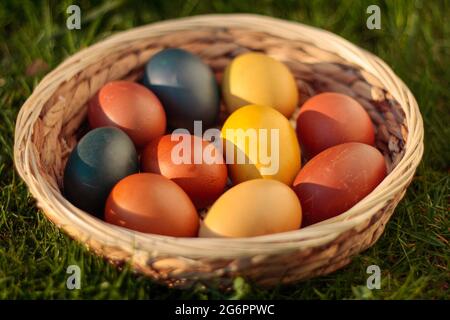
(63, 119)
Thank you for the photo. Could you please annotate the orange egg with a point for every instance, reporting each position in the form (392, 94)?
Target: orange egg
(203, 181)
(329, 119)
(151, 203)
(128, 106)
(336, 179)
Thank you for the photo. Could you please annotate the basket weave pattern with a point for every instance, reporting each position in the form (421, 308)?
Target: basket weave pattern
(51, 120)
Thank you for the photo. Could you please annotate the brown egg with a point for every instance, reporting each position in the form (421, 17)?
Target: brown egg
(128, 106)
(151, 203)
(329, 119)
(336, 179)
(203, 181)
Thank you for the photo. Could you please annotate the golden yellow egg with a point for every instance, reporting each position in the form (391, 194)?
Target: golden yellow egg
(253, 208)
(259, 142)
(255, 78)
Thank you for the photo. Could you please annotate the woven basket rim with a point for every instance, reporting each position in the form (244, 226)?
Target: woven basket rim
(311, 236)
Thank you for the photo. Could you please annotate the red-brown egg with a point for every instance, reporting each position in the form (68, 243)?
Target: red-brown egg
(191, 162)
(128, 106)
(151, 203)
(336, 179)
(329, 119)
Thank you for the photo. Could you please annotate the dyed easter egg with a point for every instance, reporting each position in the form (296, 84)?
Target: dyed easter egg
(255, 78)
(196, 165)
(151, 203)
(130, 107)
(253, 208)
(260, 143)
(336, 179)
(329, 119)
(99, 160)
(186, 87)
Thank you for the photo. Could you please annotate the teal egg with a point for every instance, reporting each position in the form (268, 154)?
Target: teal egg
(101, 158)
(185, 86)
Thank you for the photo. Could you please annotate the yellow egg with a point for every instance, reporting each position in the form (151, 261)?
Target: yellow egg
(259, 142)
(255, 78)
(253, 208)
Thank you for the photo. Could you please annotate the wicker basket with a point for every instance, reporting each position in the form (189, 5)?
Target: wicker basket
(49, 121)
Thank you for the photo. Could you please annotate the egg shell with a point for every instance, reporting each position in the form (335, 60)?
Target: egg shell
(253, 208)
(130, 107)
(329, 119)
(151, 203)
(99, 160)
(253, 117)
(255, 78)
(336, 179)
(203, 179)
(186, 87)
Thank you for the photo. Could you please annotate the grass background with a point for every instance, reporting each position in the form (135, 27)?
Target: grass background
(413, 253)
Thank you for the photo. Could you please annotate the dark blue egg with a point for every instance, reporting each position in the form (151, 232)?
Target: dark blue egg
(99, 160)
(186, 87)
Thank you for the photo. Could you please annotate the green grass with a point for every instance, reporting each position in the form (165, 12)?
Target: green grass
(413, 253)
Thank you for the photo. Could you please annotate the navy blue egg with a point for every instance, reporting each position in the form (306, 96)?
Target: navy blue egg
(185, 86)
(99, 160)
